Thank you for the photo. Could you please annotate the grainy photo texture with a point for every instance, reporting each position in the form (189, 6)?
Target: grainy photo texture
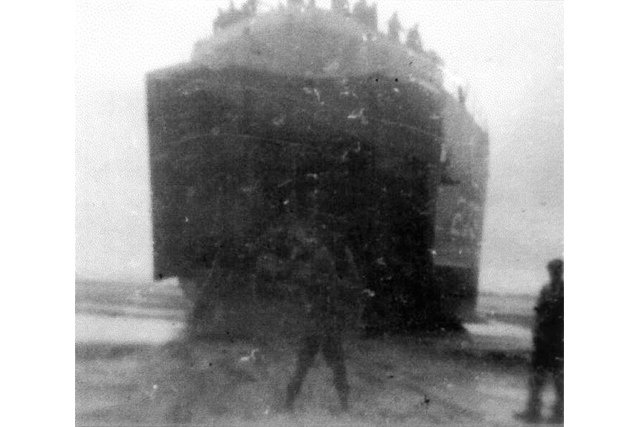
(319, 213)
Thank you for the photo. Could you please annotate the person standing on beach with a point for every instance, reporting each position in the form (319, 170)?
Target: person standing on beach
(548, 347)
(327, 295)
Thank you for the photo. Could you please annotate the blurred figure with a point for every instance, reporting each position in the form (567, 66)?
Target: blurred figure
(298, 4)
(414, 40)
(462, 95)
(340, 6)
(327, 294)
(548, 347)
(394, 28)
(367, 15)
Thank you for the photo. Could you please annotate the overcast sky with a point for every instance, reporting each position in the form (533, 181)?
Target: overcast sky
(509, 54)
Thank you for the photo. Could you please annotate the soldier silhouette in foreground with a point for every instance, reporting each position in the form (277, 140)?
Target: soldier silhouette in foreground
(548, 347)
(328, 295)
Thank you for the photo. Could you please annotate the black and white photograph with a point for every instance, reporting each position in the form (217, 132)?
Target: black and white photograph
(319, 213)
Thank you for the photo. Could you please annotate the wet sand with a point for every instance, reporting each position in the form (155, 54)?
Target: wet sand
(134, 366)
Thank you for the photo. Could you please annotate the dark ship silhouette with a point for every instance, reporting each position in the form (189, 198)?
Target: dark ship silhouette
(309, 113)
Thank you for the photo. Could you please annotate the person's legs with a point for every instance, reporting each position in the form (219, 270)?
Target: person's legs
(558, 409)
(308, 351)
(536, 382)
(334, 355)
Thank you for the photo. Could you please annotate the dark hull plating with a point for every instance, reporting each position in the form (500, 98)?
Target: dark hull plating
(235, 151)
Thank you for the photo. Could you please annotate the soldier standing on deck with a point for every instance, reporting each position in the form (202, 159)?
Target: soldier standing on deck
(328, 294)
(548, 346)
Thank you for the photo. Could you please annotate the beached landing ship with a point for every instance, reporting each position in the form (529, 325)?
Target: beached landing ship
(309, 113)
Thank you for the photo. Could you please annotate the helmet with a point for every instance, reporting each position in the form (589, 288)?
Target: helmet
(556, 266)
